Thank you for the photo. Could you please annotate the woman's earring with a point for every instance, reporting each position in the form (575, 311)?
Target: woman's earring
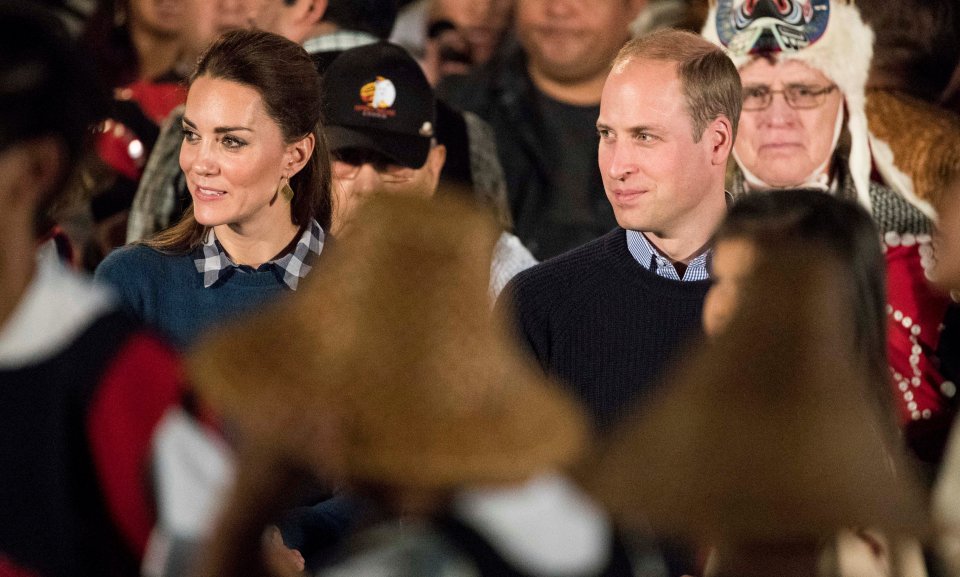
(285, 191)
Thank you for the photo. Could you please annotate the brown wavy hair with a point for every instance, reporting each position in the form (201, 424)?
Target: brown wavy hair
(284, 75)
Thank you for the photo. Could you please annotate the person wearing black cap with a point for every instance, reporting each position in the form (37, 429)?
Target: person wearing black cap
(381, 127)
(380, 114)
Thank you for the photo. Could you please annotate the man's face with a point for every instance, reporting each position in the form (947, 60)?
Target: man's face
(359, 175)
(655, 176)
(572, 40)
(783, 146)
(205, 20)
(482, 23)
(161, 17)
(269, 15)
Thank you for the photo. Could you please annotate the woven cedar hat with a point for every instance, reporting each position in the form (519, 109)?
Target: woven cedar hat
(770, 434)
(830, 36)
(393, 335)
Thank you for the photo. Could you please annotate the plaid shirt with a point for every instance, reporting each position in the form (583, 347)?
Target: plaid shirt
(651, 259)
(214, 263)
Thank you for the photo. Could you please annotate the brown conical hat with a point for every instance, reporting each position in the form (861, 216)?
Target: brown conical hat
(768, 433)
(393, 333)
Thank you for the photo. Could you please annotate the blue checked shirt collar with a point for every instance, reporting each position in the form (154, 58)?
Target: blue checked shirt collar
(651, 259)
(214, 263)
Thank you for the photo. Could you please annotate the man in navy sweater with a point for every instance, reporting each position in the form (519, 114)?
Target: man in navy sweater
(609, 316)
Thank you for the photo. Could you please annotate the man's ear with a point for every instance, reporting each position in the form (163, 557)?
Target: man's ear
(304, 15)
(719, 135)
(435, 161)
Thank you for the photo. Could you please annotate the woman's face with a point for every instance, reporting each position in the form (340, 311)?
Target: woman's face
(234, 157)
(780, 145)
(732, 263)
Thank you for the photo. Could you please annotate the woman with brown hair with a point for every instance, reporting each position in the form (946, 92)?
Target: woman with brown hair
(256, 166)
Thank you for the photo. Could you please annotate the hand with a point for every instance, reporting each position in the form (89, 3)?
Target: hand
(280, 559)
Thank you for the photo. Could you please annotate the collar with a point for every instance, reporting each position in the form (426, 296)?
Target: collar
(214, 263)
(338, 41)
(56, 308)
(650, 258)
(546, 525)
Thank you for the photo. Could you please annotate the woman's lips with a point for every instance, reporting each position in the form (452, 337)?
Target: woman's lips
(205, 193)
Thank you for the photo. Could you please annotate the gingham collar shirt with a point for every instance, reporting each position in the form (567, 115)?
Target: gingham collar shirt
(651, 259)
(215, 264)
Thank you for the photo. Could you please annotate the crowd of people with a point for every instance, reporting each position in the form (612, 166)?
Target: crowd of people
(649, 288)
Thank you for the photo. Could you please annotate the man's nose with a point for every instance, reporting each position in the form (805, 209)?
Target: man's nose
(622, 163)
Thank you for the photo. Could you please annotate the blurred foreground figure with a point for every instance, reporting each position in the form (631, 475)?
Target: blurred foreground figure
(841, 229)
(769, 459)
(414, 399)
(946, 498)
(83, 387)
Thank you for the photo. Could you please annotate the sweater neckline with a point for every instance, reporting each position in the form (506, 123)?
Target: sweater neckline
(614, 250)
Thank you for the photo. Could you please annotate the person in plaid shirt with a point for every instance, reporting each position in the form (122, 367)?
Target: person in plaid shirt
(257, 169)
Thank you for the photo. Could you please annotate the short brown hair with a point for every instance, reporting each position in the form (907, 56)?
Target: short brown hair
(709, 80)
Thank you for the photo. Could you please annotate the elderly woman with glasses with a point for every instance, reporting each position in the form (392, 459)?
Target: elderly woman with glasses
(804, 66)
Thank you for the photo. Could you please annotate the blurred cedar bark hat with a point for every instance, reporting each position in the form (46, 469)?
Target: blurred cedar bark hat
(770, 434)
(393, 335)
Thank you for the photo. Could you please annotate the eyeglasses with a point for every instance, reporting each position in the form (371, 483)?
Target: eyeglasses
(798, 96)
(347, 163)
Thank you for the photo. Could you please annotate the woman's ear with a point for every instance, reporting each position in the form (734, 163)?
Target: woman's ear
(298, 154)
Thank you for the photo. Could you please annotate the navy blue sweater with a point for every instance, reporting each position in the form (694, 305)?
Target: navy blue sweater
(603, 324)
(167, 292)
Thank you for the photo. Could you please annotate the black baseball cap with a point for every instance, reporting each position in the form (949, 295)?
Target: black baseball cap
(376, 97)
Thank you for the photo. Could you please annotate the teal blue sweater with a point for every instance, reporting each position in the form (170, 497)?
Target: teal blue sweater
(167, 292)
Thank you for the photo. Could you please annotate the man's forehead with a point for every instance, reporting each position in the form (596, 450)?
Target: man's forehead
(789, 70)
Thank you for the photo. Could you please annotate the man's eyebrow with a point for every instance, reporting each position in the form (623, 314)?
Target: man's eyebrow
(643, 128)
(219, 129)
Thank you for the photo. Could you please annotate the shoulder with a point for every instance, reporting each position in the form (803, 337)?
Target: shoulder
(557, 288)
(893, 213)
(482, 88)
(582, 266)
(137, 259)
(509, 258)
(43, 305)
(416, 550)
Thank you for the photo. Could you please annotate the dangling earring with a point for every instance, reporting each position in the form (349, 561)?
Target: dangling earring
(285, 191)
